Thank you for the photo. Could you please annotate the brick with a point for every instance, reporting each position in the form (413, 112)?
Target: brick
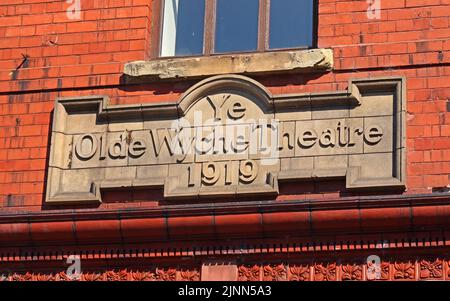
(96, 58)
(106, 68)
(37, 19)
(415, 181)
(423, 144)
(425, 119)
(411, 40)
(415, 156)
(21, 153)
(438, 82)
(82, 26)
(38, 153)
(21, 31)
(30, 130)
(10, 189)
(436, 180)
(443, 143)
(10, 21)
(76, 70)
(32, 188)
(445, 130)
(128, 56)
(415, 131)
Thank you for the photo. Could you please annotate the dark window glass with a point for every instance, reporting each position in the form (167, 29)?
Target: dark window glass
(190, 24)
(236, 25)
(291, 23)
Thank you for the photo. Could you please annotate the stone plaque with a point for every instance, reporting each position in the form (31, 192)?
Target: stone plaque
(229, 136)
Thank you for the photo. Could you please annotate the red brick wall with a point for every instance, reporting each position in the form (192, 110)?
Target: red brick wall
(84, 57)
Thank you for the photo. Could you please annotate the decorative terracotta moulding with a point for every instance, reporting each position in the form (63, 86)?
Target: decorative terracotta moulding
(228, 136)
(400, 268)
(251, 63)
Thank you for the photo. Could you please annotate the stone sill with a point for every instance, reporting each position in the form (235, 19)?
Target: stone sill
(312, 60)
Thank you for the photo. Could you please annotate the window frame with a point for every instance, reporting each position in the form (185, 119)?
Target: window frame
(210, 27)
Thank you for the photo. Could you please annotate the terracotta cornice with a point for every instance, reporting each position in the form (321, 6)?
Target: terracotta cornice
(379, 214)
(382, 201)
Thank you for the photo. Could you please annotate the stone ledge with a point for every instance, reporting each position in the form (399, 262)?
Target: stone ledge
(249, 63)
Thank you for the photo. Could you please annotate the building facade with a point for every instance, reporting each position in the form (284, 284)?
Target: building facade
(144, 141)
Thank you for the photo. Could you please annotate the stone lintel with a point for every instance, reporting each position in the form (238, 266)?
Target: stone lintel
(247, 63)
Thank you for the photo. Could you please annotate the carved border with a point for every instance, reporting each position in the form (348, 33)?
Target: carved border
(396, 85)
(119, 274)
(406, 268)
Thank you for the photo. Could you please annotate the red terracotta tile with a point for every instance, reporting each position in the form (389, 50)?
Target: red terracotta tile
(335, 219)
(144, 228)
(238, 224)
(99, 231)
(190, 226)
(14, 233)
(286, 221)
(60, 232)
(385, 218)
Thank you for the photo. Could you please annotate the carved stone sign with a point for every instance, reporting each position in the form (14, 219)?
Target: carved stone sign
(228, 136)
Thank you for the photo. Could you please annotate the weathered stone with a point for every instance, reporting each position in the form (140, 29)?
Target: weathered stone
(375, 104)
(253, 63)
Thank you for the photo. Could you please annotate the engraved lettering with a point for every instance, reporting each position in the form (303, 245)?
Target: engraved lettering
(103, 147)
(308, 138)
(261, 134)
(342, 134)
(228, 176)
(239, 145)
(351, 137)
(216, 104)
(86, 146)
(286, 136)
(373, 134)
(184, 141)
(161, 137)
(210, 173)
(236, 110)
(219, 145)
(190, 177)
(328, 138)
(204, 141)
(248, 171)
(137, 148)
(117, 149)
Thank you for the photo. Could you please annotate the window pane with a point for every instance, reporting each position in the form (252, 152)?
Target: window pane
(183, 27)
(291, 23)
(236, 25)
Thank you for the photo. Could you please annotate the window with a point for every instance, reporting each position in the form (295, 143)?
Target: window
(204, 27)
